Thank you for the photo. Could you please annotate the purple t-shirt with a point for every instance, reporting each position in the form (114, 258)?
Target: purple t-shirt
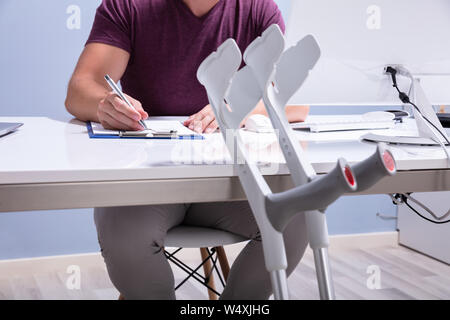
(167, 44)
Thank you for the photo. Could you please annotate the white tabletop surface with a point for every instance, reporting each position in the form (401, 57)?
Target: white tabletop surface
(49, 150)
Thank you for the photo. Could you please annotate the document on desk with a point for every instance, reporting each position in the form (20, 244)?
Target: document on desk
(157, 129)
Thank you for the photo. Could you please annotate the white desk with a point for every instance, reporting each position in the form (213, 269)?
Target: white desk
(53, 164)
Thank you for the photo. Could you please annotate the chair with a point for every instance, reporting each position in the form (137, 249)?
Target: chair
(211, 242)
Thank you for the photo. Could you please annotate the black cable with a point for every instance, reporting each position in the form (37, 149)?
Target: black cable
(405, 201)
(434, 126)
(405, 99)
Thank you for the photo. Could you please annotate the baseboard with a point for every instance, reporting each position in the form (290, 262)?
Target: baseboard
(364, 240)
(345, 241)
(13, 267)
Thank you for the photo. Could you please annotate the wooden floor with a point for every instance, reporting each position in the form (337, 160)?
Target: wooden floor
(404, 273)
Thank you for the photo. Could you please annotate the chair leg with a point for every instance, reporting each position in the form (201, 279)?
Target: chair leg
(207, 268)
(224, 265)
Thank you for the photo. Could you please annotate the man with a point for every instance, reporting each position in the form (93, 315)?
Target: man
(154, 47)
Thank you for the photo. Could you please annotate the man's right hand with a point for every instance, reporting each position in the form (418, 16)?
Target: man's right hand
(114, 113)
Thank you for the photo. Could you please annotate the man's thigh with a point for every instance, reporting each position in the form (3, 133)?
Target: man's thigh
(236, 217)
(136, 225)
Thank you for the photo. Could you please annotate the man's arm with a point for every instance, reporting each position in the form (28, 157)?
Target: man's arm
(88, 96)
(293, 113)
(205, 120)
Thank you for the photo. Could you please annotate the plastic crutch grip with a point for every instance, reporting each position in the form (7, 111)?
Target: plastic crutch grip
(379, 165)
(317, 194)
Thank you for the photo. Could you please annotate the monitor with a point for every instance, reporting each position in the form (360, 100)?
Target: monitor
(358, 38)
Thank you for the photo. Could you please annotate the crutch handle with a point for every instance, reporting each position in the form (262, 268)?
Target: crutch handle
(317, 194)
(377, 166)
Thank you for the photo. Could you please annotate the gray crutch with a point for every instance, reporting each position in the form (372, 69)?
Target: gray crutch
(233, 94)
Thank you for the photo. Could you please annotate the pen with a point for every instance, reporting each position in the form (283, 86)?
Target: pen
(117, 91)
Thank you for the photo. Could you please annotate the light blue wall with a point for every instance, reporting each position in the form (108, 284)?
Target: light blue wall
(38, 48)
(284, 6)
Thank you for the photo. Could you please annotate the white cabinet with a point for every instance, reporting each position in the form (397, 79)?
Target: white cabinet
(421, 235)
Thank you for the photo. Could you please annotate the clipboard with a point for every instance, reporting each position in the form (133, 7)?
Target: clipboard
(146, 134)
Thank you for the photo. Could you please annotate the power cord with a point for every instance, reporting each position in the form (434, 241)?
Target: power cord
(401, 198)
(405, 99)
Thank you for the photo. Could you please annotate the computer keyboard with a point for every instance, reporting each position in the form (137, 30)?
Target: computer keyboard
(368, 121)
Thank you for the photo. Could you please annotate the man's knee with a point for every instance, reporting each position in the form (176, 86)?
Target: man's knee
(141, 273)
(132, 247)
(130, 231)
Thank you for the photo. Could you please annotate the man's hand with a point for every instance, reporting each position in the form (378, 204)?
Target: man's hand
(203, 121)
(114, 113)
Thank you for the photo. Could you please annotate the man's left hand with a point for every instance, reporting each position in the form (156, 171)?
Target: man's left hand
(203, 121)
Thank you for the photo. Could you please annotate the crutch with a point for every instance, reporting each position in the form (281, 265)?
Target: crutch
(279, 79)
(233, 95)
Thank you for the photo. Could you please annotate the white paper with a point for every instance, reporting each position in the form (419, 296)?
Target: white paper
(156, 125)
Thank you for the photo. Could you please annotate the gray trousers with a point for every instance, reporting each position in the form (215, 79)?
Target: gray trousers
(131, 240)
